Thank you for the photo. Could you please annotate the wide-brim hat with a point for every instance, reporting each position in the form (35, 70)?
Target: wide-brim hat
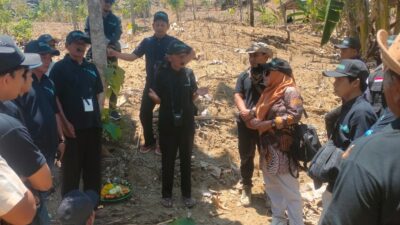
(390, 55)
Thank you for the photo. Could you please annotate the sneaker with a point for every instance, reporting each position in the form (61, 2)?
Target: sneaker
(114, 115)
(245, 199)
(189, 202)
(146, 148)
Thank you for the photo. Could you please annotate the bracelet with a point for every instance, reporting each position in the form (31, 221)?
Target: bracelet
(273, 125)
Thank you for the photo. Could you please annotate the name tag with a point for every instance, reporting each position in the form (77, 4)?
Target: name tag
(88, 105)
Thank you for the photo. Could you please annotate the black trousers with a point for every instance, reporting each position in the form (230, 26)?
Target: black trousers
(82, 157)
(248, 141)
(146, 117)
(170, 143)
(330, 120)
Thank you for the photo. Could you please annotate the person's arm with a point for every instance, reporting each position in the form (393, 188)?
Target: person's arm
(139, 51)
(41, 179)
(355, 197)
(120, 55)
(23, 212)
(239, 98)
(68, 128)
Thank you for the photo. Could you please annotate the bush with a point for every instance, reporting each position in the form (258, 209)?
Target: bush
(267, 16)
(22, 30)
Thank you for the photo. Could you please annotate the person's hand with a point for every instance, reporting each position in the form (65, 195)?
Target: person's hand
(202, 91)
(153, 95)
(285, 142)
(253, 123)
(61, 150)
(246, 115)
(111, 52)
(69, 130)
(346, 154)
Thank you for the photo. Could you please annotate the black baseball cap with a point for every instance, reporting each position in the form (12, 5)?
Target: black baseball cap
(349, 68)
(281, 65)
(11, 56)
(77, 206)
(46, 38)
(350, 42)
(177, 47)
(161, 15)
(40, 48)
(77, 35)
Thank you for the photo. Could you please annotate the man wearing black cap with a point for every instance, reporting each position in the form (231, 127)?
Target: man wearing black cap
(367, 188)
(16, 145)
(249, 86)
(78, 207)
(112, 31)
(52, 42)
(175, 89)
(349, 49)
(78, 85)
(356, 115)
(154, 48)
(39, 109)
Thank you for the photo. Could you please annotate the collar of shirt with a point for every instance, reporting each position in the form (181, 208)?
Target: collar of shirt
(74, 62)
(347, 106)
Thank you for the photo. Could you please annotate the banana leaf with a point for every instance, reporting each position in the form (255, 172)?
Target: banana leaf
(332, 17)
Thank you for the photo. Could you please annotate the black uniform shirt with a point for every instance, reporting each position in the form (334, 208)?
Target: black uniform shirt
(175, 89)
(375, 84)
(76, 83)
(367, 189)
(245, 87)
(356, 117)
(154, 49)
(112, 28)
(39, 110)
(17, 147)
(11, 109)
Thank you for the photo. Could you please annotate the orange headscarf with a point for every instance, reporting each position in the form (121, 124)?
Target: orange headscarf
(276, 87)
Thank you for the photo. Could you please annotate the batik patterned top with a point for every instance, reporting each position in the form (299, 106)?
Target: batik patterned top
(286, 112)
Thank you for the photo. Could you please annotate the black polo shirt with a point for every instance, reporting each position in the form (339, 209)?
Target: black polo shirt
(356, 117)
(17, 147)
(76, 84)
(155, 50)
(367, 189)
(175, 89)
(112, 28)
(11, 109)
(387, 118)
(247, 88)
(39, 110)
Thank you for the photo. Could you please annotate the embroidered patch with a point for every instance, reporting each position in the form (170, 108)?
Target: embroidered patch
(344, 128)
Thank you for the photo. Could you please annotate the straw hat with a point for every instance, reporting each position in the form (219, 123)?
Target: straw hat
(390, 55)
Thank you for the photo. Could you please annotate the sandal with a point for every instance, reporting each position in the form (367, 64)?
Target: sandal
(146, 149)
(166, 202)
(189, 202)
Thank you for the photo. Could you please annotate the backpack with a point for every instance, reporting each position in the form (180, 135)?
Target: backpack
(305, 143)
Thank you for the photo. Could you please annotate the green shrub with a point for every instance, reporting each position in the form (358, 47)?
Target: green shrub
(267, 16)
(22, 30)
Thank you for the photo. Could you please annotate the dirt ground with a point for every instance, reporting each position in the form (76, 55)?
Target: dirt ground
(215, 155)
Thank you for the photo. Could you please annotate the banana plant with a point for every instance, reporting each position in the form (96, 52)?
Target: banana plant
(332, 17)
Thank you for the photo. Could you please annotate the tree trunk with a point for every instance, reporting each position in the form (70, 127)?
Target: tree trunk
(351, 20)
(241, 10)
(74, 6)
(194, 9)
(251, 13)
(363, 24)
(98, 40)
(132, 6)
(384, 16)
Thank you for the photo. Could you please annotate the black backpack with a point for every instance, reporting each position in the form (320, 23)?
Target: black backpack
(305, 143)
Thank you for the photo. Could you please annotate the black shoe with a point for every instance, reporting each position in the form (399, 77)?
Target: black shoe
(115, 115)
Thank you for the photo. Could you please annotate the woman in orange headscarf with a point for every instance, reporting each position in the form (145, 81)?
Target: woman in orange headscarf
(278, 109)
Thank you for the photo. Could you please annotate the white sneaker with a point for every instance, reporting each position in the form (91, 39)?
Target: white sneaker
(245, 199)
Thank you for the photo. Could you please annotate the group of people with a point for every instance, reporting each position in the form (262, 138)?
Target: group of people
(50, 115)
(364, 180)
(50, 112)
